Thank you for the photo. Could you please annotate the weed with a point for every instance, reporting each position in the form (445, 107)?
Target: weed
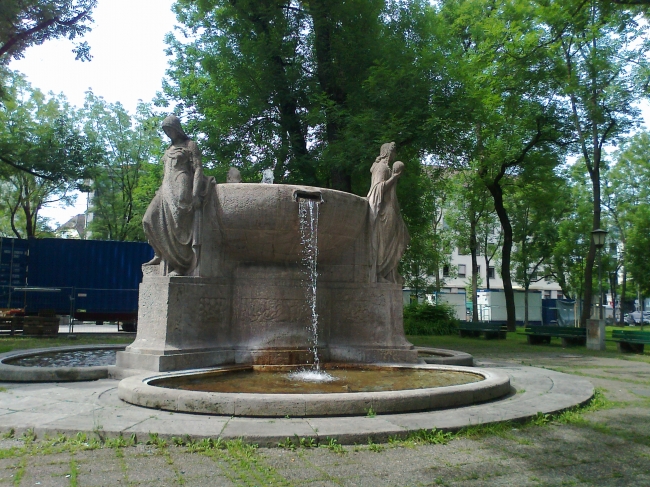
(20, 471)
(287, 444)
(204, 445)
(540, 419)
(29, 436)
(156, 441)
(370, 413)
(74, 471)
(429, 437)
(375, 447)
(308, 442)
(120, 442)
(334, 446)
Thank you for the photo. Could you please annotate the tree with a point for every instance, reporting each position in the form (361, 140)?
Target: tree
(568, 260)
(69, 154)
(603, 64)
(469, 205)
(128, 144)
(510, 112)
(638, 244)
(31, 22)
(37, 131)
(310, 89)
(537, 203)
(625, 192)
(430, 245)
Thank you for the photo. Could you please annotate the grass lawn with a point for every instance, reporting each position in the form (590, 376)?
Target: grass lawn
(515, 345)
(9, 343)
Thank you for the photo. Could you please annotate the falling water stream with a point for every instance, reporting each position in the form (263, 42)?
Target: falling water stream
(308, 215)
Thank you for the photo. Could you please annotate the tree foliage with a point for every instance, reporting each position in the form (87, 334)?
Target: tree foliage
(40, 133)
(601, 56)
(130, 145)
(31, 22)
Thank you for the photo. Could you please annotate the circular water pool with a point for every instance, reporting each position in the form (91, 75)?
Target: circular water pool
(267, 391)
(68, 358)
(72, 363)
(342, 380)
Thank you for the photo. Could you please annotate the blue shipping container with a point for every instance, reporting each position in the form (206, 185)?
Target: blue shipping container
(97, 279)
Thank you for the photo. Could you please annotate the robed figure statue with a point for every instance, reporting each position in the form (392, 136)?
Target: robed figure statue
(172, 222)
(389, 235)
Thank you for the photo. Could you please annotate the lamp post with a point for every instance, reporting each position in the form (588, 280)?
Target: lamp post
(599, 241)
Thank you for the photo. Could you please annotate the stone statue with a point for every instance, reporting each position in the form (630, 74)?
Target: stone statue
(267, 176)
(234, 176)
(389, 235)
(172, 222)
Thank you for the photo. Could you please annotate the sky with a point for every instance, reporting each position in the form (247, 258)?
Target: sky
(127, 44)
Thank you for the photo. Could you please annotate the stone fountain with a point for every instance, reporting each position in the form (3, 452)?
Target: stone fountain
(238, 296)
(251, 280)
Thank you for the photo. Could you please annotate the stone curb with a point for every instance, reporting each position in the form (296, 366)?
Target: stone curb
(441, 356)
(94, 407)
(139, 391)
(18, 373)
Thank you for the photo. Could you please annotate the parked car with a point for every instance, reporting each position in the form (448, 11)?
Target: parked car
(634, 318)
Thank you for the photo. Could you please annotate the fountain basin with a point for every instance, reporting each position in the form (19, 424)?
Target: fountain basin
(443, 356)
(259, 222)
(146, 390)
(59, 364)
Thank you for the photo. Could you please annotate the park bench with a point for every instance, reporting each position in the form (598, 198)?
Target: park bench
(474, 329)
(629, 341)
(542, 334)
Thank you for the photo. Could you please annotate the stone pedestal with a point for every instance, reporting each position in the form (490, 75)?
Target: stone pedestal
(192, 322)
(596, 334)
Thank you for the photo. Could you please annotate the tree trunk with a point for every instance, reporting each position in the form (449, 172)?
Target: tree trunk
(487, 268)
(472, 248)
(623, 290)
(506, 250)
(594, 174)
(526, 287)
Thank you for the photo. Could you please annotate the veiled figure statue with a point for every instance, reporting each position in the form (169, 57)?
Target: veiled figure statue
(172, 220)
(389, 233)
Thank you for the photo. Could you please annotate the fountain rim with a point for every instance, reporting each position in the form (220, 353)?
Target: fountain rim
(24, 373)
(138, 390)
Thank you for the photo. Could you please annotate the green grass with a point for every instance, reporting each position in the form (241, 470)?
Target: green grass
(515, 344)
(9, 343)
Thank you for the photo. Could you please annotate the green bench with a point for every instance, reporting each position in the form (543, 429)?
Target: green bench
(543, 334)
(489, 330)
(629, 341)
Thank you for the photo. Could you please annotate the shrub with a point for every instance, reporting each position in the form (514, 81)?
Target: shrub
(427, 319)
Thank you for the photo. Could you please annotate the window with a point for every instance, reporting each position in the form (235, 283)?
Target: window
(491, 272)
(462, 270)
(463, 250)
(445, 271)
(478, 270)
(547, 294)
(560, 295)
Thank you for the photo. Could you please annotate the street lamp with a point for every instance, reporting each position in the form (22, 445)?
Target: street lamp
(599, 241)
